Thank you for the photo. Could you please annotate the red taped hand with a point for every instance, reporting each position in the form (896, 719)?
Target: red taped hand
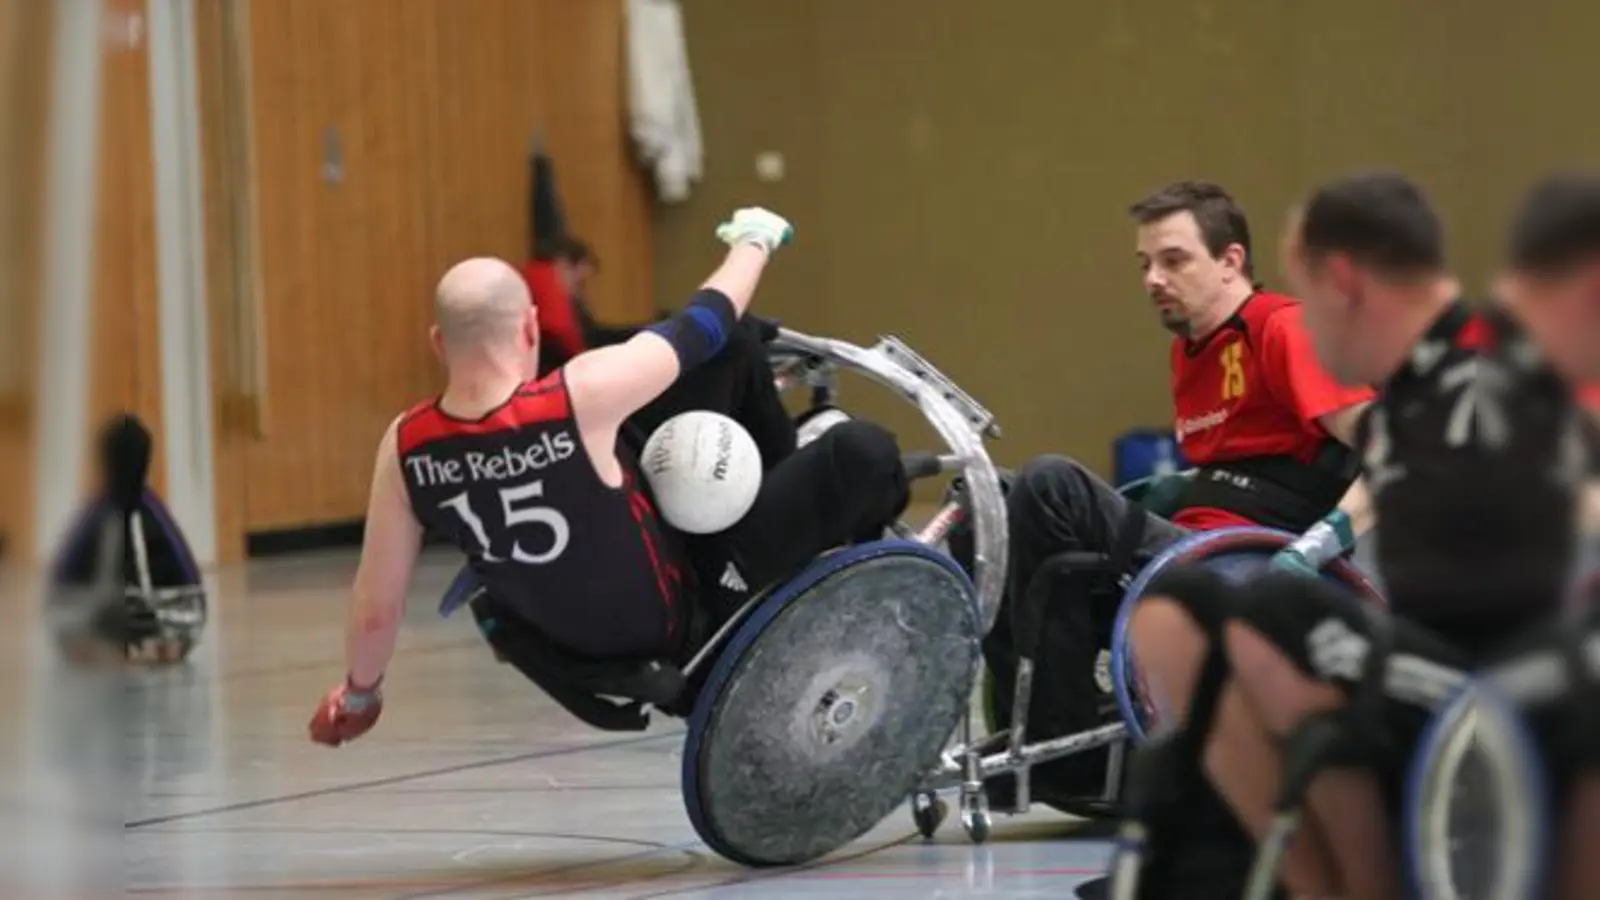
(344, 715)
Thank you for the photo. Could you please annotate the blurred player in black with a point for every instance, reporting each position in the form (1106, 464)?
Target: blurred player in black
(1553, 285)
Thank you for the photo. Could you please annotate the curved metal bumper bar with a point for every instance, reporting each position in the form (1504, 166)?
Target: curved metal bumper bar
(802, 360)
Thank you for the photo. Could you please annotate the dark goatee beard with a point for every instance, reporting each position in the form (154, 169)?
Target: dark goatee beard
(1179, 327)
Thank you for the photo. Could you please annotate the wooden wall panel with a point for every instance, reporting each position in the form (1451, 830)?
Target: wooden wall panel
(125, 360)
(582, 77)
(431, 105)
(24, 85)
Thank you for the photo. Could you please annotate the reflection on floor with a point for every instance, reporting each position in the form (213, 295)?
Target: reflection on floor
(472, 786)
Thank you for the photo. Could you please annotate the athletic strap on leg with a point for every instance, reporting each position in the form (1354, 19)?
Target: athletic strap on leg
(1167, 769)
(1349, 737)
(1366, 736)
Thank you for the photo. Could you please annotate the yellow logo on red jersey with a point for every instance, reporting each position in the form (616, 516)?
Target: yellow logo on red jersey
(1232, 359)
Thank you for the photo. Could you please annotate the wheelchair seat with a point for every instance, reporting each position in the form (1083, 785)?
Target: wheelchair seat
(608, 694)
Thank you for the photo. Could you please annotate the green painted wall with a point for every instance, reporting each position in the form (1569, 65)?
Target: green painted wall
(958, 170)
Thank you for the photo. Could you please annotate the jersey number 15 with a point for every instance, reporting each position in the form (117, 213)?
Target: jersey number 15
(518, 517)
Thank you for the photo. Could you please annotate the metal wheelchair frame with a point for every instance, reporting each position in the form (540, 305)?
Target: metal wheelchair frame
(802, 362)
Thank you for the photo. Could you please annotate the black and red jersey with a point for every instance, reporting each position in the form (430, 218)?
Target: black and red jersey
(586, 563)
(1475, 454)
(1247, 401)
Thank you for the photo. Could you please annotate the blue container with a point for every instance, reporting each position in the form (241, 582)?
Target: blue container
(1142, 452)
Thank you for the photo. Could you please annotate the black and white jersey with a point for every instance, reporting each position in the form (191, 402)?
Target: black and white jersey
(1476, 453)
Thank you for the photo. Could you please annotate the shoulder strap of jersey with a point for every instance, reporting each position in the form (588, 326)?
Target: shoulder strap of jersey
(534, 401)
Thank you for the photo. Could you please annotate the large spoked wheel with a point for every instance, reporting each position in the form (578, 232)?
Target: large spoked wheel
(830, 703)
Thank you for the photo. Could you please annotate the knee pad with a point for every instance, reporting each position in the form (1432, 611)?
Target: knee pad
(858, 444)
(862, 453)
(864, 462)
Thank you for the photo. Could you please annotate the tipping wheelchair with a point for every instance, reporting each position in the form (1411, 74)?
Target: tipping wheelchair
(830, 698)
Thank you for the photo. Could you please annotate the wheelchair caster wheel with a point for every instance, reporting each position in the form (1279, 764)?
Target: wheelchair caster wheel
(928, 811)
(976, 821)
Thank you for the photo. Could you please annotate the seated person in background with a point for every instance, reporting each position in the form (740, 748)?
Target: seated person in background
(1476, 454)
(563, 536)
(559, 273)
(1266, 429)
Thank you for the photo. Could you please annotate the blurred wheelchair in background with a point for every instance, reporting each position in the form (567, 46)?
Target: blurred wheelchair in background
(124, 585)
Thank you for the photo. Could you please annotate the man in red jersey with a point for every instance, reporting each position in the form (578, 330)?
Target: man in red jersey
(539, 484)
(1264, 426)
(559, 273)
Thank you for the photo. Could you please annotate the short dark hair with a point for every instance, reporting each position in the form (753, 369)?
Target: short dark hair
(1557, 226)
(1382, 220)
(1220, 220)
(576, 252)
(564, 248)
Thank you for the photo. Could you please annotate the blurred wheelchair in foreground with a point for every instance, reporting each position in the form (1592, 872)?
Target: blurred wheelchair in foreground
(124, 586)
(1492, 776)
(831, 697)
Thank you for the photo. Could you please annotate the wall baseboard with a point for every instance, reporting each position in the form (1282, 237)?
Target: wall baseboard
(343, 535)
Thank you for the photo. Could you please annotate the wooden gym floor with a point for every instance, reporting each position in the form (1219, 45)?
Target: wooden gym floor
(473, 786)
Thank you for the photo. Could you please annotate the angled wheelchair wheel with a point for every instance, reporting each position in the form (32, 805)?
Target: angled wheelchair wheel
(1237, 554)
(1476, 816)
(830, 702)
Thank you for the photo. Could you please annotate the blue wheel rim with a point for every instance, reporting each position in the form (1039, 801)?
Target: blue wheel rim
(1124, 675)
(746, 635)
(1530, 786)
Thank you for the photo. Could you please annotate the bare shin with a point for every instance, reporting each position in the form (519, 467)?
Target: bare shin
(1338, 828)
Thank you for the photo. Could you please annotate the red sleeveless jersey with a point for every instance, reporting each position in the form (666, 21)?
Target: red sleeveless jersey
(586, 563)
(1252, 389)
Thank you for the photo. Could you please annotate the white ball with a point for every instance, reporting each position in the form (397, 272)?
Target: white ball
(704, 470)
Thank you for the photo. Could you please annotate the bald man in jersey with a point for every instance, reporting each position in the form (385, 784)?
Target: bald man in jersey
(538, 482)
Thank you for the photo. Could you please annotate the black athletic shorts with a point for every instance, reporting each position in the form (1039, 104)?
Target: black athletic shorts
(1326, 632)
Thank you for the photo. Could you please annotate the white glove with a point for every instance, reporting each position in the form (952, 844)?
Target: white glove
(754, 225)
